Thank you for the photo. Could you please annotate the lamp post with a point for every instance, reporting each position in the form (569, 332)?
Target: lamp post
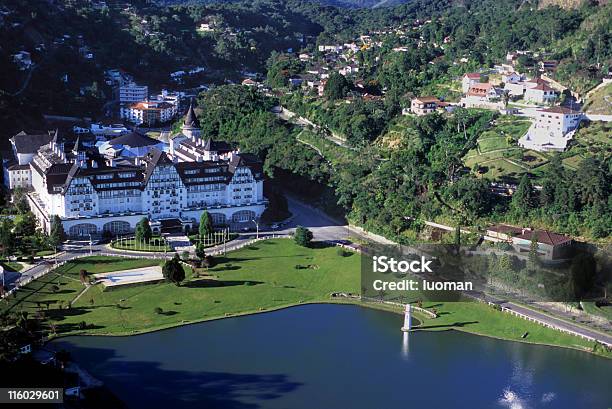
(257, 228)
(90, 243)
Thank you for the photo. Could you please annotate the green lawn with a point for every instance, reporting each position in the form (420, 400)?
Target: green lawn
(260, 277)
(482, 319)
(490, 144)
(497, 149)
(11, 265)
(156, 244)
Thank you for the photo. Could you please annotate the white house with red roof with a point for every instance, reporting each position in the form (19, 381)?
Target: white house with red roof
(551, 246)
(540, 92)
(425, 105)
(483, 95)
(469, 79)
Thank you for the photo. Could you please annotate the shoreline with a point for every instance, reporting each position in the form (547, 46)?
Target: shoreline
(419, 316)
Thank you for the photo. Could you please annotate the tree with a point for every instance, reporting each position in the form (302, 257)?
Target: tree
(583, 274)
(21, 201)
(83, 276)
(26, 226)
(206, 226)
(522, 199)
(553, 181)
(57, 235)
(7, 239)
(173, 270)
(303, 236)
(533, 251)
(200, 251)
(336, 87)
(143, 231)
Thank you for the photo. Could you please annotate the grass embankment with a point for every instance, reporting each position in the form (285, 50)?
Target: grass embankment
(591, 139)
(604, 311)
(599, 102)
(156, 244)
(256, 278)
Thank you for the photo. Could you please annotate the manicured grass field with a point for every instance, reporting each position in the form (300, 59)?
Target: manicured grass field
(267, 275)
(157, 244)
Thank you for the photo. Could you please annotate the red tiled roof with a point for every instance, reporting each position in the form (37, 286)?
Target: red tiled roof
(542, 87)
(560, 110)
(479, 90)
(546, 237)
(472, 75)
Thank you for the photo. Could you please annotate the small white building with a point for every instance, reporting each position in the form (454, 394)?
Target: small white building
(541, 93)
(425, 105)
(511, 77)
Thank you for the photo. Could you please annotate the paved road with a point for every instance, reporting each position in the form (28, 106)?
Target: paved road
(558, 323)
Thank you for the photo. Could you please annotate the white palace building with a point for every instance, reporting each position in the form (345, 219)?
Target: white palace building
(96, 194)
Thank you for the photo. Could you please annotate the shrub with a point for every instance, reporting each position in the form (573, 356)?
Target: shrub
(303, 236)
(158, 310)
(342, 252)
(82, 325)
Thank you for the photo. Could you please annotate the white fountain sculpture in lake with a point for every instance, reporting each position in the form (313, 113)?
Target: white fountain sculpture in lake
(407, 319)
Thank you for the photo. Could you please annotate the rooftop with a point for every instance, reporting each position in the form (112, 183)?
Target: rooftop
(134, 140)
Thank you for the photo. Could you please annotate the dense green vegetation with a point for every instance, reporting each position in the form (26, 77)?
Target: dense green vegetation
(150, 41)
(423, 177)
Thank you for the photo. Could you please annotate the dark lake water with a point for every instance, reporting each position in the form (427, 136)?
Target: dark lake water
(337, 356)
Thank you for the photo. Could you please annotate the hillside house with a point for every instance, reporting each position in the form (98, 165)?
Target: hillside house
(425, 105)
(541, 93)
(469, 79)
(552, 130)
(551, 246)
(483, 96)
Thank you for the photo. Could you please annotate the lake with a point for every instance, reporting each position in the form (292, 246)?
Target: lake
(337, 356)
